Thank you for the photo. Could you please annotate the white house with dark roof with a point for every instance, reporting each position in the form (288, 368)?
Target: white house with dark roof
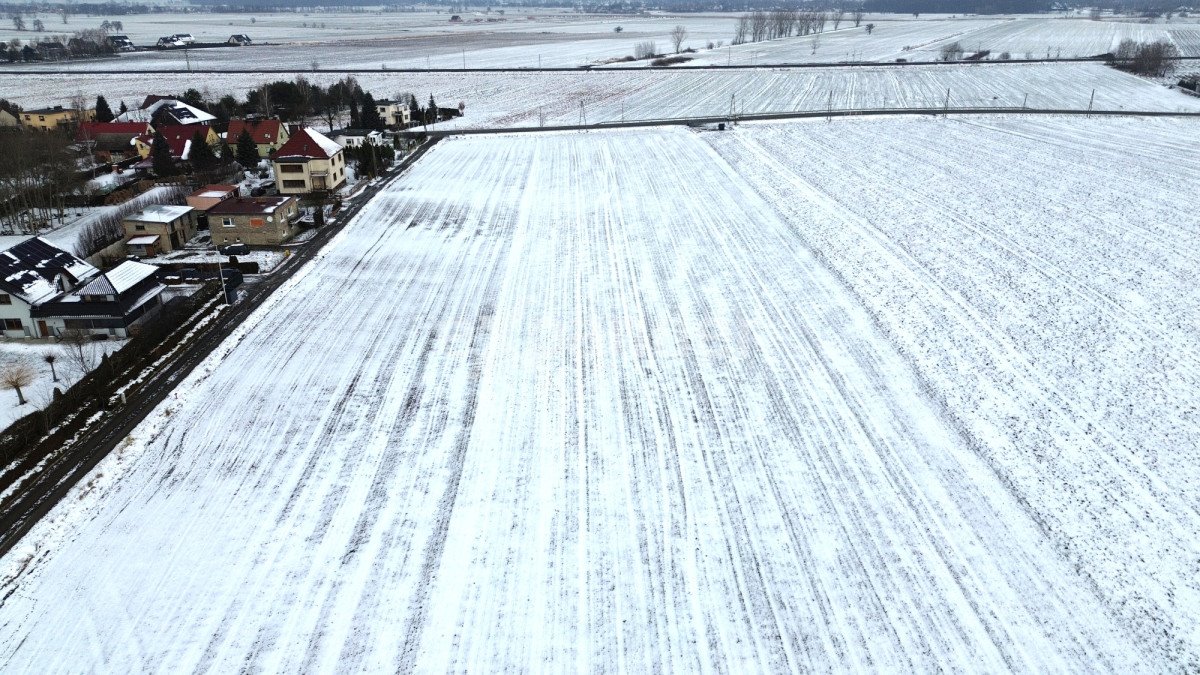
(34, 272)
(110, 304)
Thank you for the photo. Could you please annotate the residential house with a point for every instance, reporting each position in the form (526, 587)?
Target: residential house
(112, 138)
(120, 43)
(179, 140)
(210, 195)
(354, 138)
(268, 135)
(394, 113)
(168, 111)
(309, 162)
(111, 303)
(56, 117)
(158, 229)
(32, 272)
(169, 43)
(239, 40)
(257, 221)
(207, 197)
(185, 38)
(8, 119)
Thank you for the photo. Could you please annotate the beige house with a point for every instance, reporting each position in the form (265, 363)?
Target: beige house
(49, 119)
(159, 229)
(256, 221)
(309, 162)
(394, 113)
(7, 119)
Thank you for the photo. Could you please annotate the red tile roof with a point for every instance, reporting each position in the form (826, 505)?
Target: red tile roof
(90, 130)
(308, 144)
(262, 131)
(177, 135)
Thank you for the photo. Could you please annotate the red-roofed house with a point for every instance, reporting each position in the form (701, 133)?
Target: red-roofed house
(309, 162)
(268, 135)
(112, 137)
(179, 139)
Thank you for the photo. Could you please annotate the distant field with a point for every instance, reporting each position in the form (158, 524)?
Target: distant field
(522, 99)
(528, 38)
(896, 395)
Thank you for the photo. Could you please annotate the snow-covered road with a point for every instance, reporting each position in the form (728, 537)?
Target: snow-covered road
(618, 401)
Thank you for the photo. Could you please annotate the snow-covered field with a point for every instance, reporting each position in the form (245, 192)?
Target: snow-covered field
(527, 38)
(517, 99)
(892, 394)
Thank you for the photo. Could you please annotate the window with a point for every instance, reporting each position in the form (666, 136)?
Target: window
(139, 228)
(227, 222)
(12, 324)
(5, 299)
(291, 168)
(293, 184)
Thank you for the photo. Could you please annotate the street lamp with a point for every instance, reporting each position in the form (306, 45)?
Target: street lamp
(221, 275)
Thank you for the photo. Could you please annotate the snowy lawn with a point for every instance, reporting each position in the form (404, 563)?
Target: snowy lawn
(41, 392)
(896, 395)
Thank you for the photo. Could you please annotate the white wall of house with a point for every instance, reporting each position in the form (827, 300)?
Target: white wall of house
(17, 310)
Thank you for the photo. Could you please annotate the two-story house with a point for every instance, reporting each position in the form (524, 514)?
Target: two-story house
(394, 113)
(32, 272)
(160, 228)
(55, 117)
(111, 303)
(257, 221)
(309, 162)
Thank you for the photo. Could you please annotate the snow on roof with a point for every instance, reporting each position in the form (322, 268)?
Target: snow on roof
(308, 144)
(159, 213)
(214, 191)
(30, 268)
(181, 112)
(119, 279)
(143, 240)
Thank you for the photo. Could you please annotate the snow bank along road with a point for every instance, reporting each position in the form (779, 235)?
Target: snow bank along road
(882, 395)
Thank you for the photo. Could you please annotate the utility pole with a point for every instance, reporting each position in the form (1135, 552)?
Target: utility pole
(187, 57)
(946, 105)
(582, 115)
(1090, 102)
(464, 55)
(1023, 102)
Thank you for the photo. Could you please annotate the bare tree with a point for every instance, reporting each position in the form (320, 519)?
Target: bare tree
(644, 50)
(741, 29)
(38, 26)
(678, 35)
(838, 15)
(857, 16)
(870, 28)
(79, 351)
(16, 375)
(50, 358)
(18, 22)
(758, 26)
(952, 52)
